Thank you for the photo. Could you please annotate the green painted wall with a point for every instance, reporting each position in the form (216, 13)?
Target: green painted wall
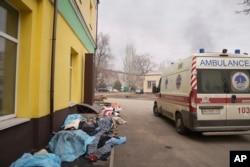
(69, 14)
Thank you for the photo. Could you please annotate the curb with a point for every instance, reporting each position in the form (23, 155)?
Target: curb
(112, 156)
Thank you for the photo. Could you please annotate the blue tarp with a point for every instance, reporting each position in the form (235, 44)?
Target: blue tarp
(72, 117)
(70, 144)
(41, 160)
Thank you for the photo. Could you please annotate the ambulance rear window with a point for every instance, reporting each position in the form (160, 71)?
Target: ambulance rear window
(223, 81)
(210, 81)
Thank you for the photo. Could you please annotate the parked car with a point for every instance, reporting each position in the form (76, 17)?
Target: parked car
(103, 90)
(139, 91)
(114, 90)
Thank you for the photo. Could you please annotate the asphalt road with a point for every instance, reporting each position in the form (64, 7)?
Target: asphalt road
(153, 142)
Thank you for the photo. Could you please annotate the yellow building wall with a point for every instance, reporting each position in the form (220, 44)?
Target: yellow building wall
(65, 43)
(88, 9)
(34, 61)
(33, 73)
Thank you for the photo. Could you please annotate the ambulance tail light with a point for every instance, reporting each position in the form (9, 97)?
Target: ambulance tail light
(193, 105)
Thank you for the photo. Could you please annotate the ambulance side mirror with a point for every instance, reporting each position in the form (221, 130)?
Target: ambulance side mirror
(155, 89)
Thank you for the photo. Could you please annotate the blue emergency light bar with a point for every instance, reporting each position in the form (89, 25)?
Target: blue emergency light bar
(237, 51)
(202, 50)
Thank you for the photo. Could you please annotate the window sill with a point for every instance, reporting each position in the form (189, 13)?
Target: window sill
(12, 122)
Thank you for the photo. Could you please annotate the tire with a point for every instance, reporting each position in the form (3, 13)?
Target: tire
(155, 110)
(179, 126)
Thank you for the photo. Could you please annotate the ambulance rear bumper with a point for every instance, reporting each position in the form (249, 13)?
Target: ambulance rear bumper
(223, 130)
(226, 133)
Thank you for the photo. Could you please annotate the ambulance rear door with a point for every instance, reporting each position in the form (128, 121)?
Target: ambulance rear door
(223, 93)
(211, 99)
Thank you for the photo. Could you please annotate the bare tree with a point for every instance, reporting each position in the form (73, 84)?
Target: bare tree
(144, 64)
(246, 3)
(129, 65)
(135, 66)
(103, 57)
(162, 65)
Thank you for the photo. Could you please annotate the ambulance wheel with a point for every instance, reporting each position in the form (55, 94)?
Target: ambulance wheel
(156, 112)
(179, 126)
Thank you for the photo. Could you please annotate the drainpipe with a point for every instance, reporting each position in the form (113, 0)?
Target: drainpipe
(96, 46)
(52, 78)
(97, 14)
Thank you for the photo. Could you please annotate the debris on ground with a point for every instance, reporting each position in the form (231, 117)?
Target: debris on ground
(82, 136)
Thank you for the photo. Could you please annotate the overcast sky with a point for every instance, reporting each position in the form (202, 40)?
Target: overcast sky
(170, 30)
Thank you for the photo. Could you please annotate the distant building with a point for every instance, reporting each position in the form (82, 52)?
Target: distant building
(109, 76)
(145, 82)
(37, 91)
(151, 79)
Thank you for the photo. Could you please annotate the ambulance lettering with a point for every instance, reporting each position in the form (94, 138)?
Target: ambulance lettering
(224, 63)
(244, 110)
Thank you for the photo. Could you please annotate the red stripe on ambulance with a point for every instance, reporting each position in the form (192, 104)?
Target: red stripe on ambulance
(193, 76)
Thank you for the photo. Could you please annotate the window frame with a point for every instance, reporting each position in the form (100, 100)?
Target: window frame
(16, 41)
(151, 83)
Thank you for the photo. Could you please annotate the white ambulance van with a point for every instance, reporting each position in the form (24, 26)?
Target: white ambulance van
(208, 93)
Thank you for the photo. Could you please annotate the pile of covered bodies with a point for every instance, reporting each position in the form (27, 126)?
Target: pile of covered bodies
(90, 136)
